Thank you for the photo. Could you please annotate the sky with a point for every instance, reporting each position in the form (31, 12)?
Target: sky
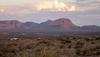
(81, 12)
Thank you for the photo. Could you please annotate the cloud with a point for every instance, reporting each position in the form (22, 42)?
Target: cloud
(15, 2)
(87, 5)
(79, 11)
(50, 5)
(54, 6)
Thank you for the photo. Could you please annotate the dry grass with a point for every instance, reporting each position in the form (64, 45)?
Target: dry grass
(74, 46)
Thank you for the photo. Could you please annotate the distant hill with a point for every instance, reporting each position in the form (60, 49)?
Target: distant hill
(10, 24)
(61, 25)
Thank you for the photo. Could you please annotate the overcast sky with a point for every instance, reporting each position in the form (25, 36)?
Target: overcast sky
(81, 12)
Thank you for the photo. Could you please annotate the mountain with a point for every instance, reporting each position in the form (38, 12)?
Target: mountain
(9, 25)
(30, 25)
(61, 23)
(90, 28)
(58, 26)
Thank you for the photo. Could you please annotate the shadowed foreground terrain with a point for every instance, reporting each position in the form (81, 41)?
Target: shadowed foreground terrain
(64, 46)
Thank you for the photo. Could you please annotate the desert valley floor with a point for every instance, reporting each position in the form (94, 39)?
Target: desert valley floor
(64, 46)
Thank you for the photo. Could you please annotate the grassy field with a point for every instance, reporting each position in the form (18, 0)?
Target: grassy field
(64, 46)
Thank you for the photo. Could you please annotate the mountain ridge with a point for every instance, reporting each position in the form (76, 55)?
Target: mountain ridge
(59, 25)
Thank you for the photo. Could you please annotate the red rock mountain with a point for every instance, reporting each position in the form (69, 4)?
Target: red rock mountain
(51, 26)
(11, 24)
(62, 23)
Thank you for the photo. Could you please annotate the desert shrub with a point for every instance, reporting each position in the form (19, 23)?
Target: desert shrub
(79, 45)
(92, 42)
(8, 50)
(88, 52)
(97, 38)
(47, 43)
(78, 52)
(23, 54)
(83, 52)
(65, 40)
(98, 53)
(97, 47)
(45, 53)
(69, 46)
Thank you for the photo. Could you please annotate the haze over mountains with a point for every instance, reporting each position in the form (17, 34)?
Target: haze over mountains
(64, 25)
